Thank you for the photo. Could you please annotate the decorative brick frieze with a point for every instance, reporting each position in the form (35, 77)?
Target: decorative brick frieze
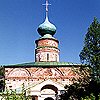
(47, 42)
(15, 77)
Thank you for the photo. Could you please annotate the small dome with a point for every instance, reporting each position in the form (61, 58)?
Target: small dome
(46, 28)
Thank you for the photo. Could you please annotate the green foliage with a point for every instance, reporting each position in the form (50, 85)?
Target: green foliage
(91, 97)
(13, 95)
(77, 91)
(1, 71)
(87, 86)
(2, 79)
(91, 51)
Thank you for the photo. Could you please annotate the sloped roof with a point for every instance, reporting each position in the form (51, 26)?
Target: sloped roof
(45, 64)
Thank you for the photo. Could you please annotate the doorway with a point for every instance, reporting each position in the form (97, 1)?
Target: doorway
(49, 98)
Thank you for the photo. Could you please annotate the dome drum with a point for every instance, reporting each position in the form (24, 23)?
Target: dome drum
(47, 42)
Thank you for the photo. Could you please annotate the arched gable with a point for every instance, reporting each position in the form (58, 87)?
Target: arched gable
(40, 86)
(47, 72)
(19, 72)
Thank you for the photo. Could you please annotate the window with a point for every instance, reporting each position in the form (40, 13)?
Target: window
(55, 57)
(6, 70)
(47, 56)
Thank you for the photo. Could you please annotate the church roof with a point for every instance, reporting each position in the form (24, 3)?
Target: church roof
(45, 64)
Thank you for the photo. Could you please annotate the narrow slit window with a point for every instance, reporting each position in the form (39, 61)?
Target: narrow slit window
(47, 57)
(55, 57)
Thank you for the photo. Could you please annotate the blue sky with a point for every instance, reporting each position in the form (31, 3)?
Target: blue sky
(19, 20)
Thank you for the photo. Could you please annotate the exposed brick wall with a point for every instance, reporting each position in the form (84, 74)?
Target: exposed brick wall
(15, 77)
(47, 50)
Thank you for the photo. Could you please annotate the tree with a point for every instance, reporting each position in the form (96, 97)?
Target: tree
(15, 95)
(87, 86)
(90, 54)
(2, 79)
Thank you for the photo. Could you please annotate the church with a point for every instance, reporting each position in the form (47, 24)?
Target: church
(46, 77)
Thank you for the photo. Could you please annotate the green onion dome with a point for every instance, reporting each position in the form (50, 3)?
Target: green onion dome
(46, 28)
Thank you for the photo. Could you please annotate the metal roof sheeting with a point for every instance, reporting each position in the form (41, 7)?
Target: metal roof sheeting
(45, 64)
